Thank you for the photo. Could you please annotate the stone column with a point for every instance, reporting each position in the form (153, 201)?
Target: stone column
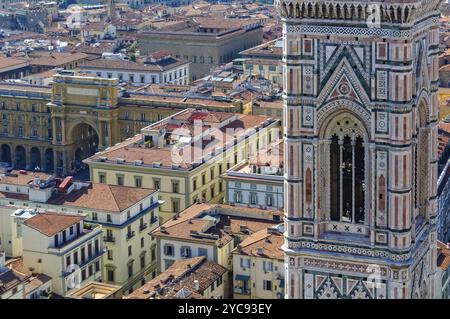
(42, 150)
(110, 137)
(315, 188)
(101, 145)
(353, 179)
(369, 193)
(64, 159)
(325, 163)
(28, 158)
(13, 155)
(55, 161)
(54, 129)
(63, 132)
(341, 151)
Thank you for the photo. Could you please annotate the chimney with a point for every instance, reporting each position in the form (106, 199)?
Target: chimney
(196, 285)
(65, 185)
(36, 181)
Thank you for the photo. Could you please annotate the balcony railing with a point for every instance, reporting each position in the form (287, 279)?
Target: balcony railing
(109, 239)
(86, 261)
(87, 230)
(347, 228)
(154, 219)
(143, 226)
(130, 234)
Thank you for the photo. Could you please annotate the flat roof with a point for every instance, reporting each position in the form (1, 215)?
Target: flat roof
(51, 224)
(112, 198)
(195, 223)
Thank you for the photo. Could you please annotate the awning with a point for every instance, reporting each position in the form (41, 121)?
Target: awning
(242, 277)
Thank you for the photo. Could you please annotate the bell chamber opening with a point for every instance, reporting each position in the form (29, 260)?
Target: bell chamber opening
(347, 178)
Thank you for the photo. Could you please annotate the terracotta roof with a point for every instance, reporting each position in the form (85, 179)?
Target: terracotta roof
(21, 178)
(180, 277)
(196, 221)
(208, 116)
(160, 54)
(16, 264)
(18, 196)
(95, 26)
(444, 126)
(10, 279)
(103, 197)
(133, 150)
(171, 26)
(264, 243)
(50, 224)
(7, 63)
(36, 281)
(42, 75)
(55, 59)
(275, 104)
(97, 49)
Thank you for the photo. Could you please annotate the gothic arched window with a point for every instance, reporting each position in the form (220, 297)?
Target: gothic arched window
(347, 172)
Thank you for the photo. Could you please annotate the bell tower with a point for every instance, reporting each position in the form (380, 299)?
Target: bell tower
(111, 7)
(361, 115)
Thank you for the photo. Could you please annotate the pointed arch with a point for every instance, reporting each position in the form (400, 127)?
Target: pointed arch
(334, 76)
(422, 169)
(343, 106)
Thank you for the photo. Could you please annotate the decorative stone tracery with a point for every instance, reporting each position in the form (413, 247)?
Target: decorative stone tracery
(359, 140)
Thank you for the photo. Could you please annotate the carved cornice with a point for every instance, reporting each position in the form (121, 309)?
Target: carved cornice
(392, 11)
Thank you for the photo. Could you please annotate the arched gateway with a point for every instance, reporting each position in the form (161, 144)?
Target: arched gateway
(85, 119)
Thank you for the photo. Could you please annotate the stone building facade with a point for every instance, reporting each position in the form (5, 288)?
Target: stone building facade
(205, 50)
(361, 116)
(55, 128)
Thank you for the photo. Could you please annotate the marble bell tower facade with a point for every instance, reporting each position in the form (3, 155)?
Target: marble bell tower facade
(361, 116)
